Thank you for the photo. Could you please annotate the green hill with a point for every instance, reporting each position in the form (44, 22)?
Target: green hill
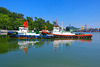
(12, 20)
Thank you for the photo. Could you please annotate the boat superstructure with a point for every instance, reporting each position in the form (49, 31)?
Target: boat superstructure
(57, 31)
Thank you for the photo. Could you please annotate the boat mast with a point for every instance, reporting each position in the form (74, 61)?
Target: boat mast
(62, 26)
(56, 23)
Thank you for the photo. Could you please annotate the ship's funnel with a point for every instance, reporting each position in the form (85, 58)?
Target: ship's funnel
(25, 24)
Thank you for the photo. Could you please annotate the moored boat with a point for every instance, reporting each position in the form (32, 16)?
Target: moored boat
(57, 32)
(24, 33)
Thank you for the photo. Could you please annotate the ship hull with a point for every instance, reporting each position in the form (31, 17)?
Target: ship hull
(73, 36)
(32, 36)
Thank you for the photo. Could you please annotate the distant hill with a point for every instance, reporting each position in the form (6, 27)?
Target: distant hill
(72, 28)
(12, 20)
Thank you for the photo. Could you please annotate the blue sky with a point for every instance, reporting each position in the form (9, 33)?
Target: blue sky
(74, 12)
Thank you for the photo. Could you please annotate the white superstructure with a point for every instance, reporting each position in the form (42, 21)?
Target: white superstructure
(25, 31)
(57, 31)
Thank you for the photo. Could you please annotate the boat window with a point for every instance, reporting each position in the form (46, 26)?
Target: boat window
(56, 28)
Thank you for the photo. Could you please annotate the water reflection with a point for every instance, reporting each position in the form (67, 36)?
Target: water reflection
(7, 44)
(37, 43)
(23, 44)
(67, 42)
(56, 43)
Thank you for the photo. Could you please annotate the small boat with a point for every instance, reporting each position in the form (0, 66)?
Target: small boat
(24, 33)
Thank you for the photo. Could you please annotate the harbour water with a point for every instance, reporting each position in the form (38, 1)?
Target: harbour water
(50, 52)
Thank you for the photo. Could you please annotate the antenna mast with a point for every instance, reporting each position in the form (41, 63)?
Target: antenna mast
(62, 25)
(56, 23)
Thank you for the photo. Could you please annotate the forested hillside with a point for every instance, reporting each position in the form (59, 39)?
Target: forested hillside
(12, 20)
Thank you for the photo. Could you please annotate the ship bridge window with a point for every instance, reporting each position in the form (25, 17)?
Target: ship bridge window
(56, 28)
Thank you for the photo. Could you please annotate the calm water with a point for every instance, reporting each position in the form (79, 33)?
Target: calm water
(50, 52)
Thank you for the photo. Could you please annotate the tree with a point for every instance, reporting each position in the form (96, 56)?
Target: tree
(20, 16)
(4, 11)
(35, 18)
(54, 22)
(4, 21)
(29, 19)
(48, 22)
(12, 21)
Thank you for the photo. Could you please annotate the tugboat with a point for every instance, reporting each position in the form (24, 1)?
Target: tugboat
(66, 34)
(24, 33)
